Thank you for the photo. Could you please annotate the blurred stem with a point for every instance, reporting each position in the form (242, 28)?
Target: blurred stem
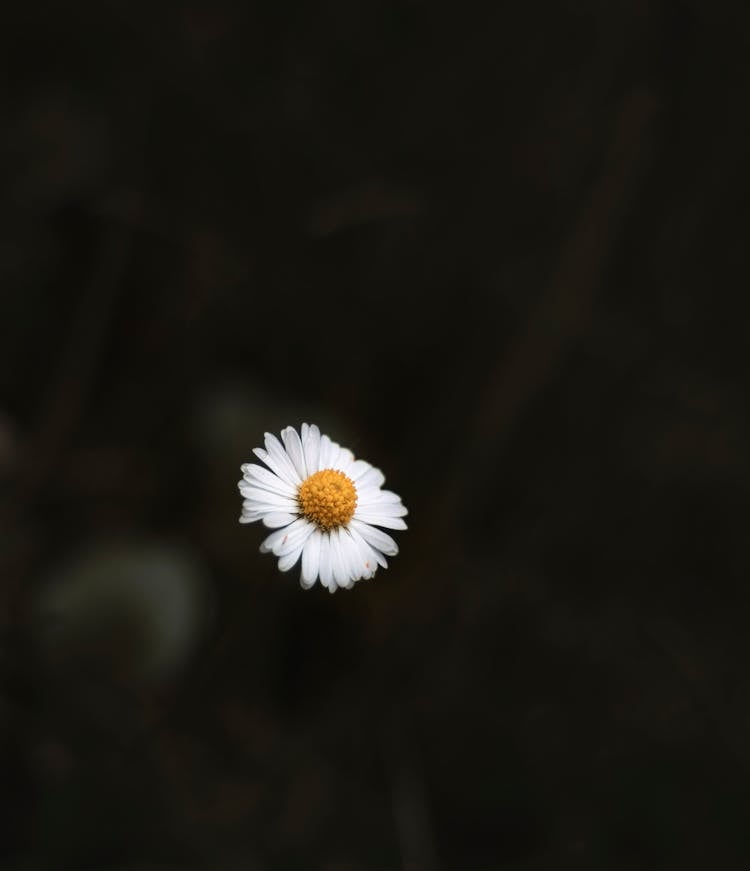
(75, 372)
(563, 312)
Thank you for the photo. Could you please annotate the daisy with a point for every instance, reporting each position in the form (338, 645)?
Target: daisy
(324, 506)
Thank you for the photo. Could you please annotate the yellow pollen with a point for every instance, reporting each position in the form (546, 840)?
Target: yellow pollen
(328, 498)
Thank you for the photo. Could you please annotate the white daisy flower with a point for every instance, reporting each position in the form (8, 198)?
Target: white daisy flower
(324, 506)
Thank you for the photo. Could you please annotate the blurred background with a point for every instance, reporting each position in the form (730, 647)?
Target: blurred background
(491, 251)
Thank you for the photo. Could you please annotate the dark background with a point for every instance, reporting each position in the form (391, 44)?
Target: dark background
(491, 251)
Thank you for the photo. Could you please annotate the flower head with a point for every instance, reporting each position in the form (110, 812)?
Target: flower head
(323, 506)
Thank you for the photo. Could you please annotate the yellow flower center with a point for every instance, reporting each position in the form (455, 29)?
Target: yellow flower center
(328, 498)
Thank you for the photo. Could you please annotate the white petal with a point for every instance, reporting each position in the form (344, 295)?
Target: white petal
(276, 542)
(390, 509)
(376, 519)
(368, 556)
(326, 573)
(333, 456)
(354, 565)
(345, 461)
(289, 559)
(311, 560)
(311, 447)
(254, 511)
(260, 477)
(283, 468)
(277, 453)
(259, 509)
(293, 446)
(328, 452)
(340, 574)
(274, 519)
(267, 545)
(358, 468)
(343, 553)
(372, 477)
(298, 535)
(376, 496)
(266, 497)
(249, 517)
(377, 538)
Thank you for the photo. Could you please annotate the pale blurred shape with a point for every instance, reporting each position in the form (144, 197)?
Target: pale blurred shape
(138, 610)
